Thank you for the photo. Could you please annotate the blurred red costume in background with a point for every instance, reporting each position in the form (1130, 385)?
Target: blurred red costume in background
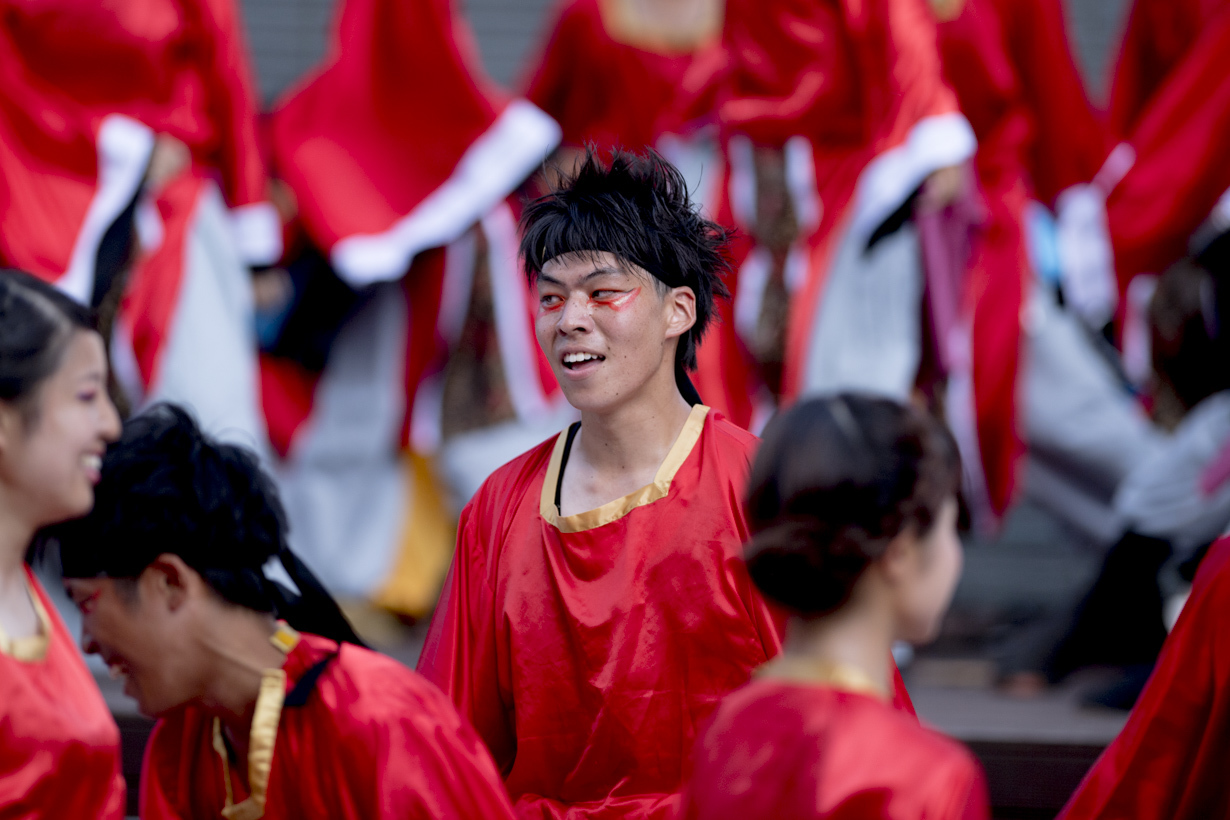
(59, 745)
(362, 737)
(1009, 63)
(1170, 101)
(395, 149)
(588, 649)
(79, 72)
(1169, 760)
(794, 751)
(599, 52)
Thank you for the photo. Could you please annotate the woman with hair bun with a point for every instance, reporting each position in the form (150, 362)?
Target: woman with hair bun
(267, 704)
(59, 746)
(852, 507)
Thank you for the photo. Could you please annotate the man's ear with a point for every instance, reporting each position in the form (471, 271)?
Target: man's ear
(681, 305)
(173, 581)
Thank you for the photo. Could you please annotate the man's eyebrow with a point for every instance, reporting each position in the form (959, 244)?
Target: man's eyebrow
(596, 272)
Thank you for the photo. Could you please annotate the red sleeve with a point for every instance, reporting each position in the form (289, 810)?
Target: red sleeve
(417, 758)
(1069, 141)
(155, 801)
(231, 100)
(901, 696)
(1180, 169)
(460, 652)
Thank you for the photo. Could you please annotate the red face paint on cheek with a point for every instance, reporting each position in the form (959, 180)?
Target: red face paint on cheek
(620, 302)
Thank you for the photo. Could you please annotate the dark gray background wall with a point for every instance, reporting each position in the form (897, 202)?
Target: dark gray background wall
(288, 37)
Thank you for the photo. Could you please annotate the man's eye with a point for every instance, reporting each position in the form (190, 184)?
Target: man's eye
(88, 396)
(605, 294)
(548, 299)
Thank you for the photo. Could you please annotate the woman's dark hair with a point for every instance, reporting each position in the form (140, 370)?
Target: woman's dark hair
(835, 480)
(36, 323)
(168, 488)
(638, 209)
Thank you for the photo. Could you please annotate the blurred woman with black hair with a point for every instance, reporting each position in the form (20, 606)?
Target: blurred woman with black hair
(59, 746)
(852, 507)
(268, 704)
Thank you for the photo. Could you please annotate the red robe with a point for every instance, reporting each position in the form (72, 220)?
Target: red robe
(178, 66)
(588, 649)
(59, 746)
(373, 740)
(1169, 761)
(585, 65)
(797, 751)
(1180, 171)
(1008, 62)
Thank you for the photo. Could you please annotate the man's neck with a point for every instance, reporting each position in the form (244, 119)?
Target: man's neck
(618, 452)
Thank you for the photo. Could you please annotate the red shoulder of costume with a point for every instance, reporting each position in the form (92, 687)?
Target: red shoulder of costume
(730, 438)
(1169, 760)
(506, 488)
(813, 751)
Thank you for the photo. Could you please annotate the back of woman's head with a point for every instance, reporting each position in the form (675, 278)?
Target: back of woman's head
(36, 323)
(167, 487)
(834, 482)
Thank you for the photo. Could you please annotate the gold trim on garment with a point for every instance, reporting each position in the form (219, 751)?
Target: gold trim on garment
(31, 648)
(263, 735)
(832, 674)
(617, 509)
(626, 24)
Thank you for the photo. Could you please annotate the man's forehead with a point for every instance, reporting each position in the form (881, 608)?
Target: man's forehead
(577, 267)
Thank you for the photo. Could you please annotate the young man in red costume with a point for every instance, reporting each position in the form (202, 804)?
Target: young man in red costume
(597, 607)
(266, 706)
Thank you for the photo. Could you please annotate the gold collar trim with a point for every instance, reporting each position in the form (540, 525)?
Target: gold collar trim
(31, 648)
(614, 510)
(831, 674)
(263, 736)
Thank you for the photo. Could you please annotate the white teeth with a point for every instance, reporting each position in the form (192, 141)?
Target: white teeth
(92, 462)
(575, 358)
(116, 671)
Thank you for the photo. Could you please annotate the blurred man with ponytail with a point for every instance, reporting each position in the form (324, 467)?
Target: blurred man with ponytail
(268, 705)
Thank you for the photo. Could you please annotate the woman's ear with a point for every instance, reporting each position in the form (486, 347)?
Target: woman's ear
(681, 304)
(902, 558)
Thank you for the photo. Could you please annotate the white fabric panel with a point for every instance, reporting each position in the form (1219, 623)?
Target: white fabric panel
(124, 146)
(867, 336)
(490, 169)
(1162, 496)
(934, 143)
(208, 360)
(258, 233)
(1086, 259)
(343, 485)
(1084, 431)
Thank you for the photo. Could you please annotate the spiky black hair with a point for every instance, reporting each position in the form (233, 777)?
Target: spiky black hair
(637, 208)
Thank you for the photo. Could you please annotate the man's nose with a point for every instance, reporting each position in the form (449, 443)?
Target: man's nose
(576, 315)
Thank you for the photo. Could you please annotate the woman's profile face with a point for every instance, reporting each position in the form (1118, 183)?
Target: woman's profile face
(50, 462)
(936, 568)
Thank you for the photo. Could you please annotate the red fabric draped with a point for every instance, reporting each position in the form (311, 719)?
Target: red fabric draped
(59, 746)
(1170, 759)
(1008, 62)
(802, 752)
(584, 67)
(179, 66)
(373, 740)
(1180, 140)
